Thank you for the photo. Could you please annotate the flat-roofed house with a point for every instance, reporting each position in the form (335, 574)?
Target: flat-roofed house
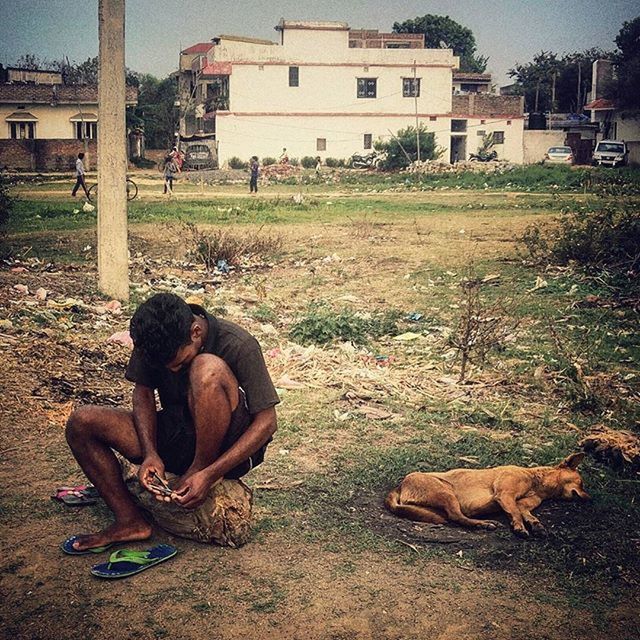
(325, 90)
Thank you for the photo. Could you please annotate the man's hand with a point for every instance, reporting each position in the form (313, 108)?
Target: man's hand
(152, 465)
(192, 490)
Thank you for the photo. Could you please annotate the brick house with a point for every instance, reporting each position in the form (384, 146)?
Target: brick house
(44, 126)
(326, 90)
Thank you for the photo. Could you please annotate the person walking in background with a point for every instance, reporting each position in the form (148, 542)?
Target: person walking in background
(255, 172)
(80, 177)
(170, 172)
(318, 167)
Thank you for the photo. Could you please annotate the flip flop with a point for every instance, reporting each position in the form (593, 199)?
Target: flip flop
(126, 562)
(68, 548)
(80, 496)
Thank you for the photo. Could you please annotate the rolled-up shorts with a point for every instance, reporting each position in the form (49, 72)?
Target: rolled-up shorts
(176, 437)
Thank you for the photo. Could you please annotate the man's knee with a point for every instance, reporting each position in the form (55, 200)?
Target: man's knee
(209, 373)
(80, 423)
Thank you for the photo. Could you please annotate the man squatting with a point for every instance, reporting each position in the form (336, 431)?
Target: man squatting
(218, 413)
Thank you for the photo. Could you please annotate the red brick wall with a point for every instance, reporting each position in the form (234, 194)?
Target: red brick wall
(17, 154)
(482, 104)
(45, 155)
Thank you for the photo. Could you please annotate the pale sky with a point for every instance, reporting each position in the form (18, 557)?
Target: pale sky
(508, 31)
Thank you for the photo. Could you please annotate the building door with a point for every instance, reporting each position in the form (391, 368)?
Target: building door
(458, 151)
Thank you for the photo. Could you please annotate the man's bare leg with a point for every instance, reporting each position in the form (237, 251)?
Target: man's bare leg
(213, 395)
(92, 432)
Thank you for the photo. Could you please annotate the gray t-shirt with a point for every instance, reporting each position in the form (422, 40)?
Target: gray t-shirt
(79, 168)
(227, 340)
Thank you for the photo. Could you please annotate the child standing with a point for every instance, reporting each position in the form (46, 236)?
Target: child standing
(170, 172)
(255, 172)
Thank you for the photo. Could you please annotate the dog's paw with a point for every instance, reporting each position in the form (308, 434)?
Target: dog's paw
(537, 528)
(489, 525)
(521, 533)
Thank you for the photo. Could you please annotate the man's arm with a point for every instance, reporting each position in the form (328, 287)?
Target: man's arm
(193, 490)
(145, 421)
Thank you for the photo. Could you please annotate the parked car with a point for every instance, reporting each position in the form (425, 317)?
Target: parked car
(558, 155)
(610, 153)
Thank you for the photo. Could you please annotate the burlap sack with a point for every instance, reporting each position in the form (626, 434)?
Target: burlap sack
(224, 518)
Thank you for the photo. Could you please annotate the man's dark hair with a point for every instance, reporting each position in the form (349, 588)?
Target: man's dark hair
(81, 155)
(160, 326)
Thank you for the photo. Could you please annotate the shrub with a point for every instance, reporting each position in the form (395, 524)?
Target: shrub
(6, 206)
(602, 239)
(321, 325)
(236, 163)
(308, 162)
(404, 144)
(268, 161)
(334, 162)
(294, 162)
(212, 246)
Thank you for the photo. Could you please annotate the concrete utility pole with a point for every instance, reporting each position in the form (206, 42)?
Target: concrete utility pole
(113, 262)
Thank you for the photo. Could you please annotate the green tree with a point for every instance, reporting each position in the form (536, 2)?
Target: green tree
(627, 63)
(156, 111)
(402, 149)
(550, 83)
(87, 72)
(443, 32)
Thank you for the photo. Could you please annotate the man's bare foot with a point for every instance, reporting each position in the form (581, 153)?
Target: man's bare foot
(117, 532)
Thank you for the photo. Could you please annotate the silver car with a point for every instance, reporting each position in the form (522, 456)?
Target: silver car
(558, 155)
(610, 153)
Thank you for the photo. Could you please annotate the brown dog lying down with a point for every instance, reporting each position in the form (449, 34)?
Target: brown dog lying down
(461, 494)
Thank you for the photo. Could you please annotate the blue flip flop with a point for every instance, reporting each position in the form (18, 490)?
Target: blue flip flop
(67, 547)
(127, 562)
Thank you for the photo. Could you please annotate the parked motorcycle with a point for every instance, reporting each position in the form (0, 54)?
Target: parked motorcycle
(369, 161)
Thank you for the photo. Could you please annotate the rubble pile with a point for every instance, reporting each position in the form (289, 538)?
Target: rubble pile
(437, 167)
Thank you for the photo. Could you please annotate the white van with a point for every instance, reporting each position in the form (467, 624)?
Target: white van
(610, 153)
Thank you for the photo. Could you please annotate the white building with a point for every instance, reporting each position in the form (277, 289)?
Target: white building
(320, 92)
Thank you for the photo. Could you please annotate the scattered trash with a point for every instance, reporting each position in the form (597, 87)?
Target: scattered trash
(408, 336)
(41, 293)
(414, 317)
(285, 382)
(540, 284)
(121, 337)
(19, 270)
(21, 288)
(222, 266)
(87, 207)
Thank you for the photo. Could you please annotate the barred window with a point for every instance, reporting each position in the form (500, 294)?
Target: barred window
(367, 87)
(294, 76)
(410, 87)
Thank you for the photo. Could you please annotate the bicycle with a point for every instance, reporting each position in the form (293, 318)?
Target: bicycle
(132, 191)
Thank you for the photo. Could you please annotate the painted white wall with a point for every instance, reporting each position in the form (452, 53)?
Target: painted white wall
(244, 136)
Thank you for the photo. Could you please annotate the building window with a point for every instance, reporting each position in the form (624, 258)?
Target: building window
(508, 122)
(498, 137)
(321, 144)
(367, 87)
(459, 126)
(368, 140)
(294, 76)
(433, 118)
(260, 67)
(22, 130)
(410, 87)
(90, 130)
(483, 121)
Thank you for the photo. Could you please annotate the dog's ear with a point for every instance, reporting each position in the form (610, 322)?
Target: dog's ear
(572, 461)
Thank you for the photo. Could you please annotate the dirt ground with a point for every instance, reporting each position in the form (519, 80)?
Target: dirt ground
(295, 579)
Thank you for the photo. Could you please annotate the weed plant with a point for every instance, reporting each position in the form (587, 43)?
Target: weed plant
(321, 325)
